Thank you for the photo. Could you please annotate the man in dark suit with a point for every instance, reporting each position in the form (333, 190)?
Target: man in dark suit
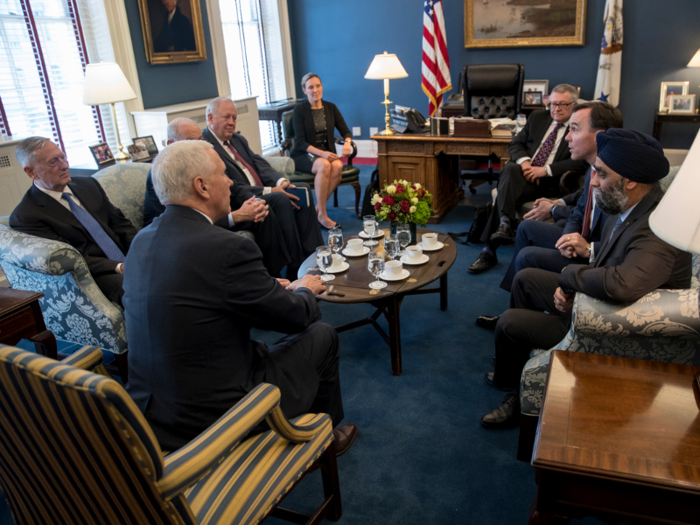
(247, 213)
(75, 212)
(299, 225)
(192, 295)
(539, 157)
(176, 33)
(629, 262)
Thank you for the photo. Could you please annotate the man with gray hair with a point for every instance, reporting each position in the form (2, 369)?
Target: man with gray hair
(192, 295)
(539, 157)
(254, 174)
(248, 213)
(76, 212)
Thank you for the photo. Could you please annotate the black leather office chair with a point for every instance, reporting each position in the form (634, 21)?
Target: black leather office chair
(490, 91)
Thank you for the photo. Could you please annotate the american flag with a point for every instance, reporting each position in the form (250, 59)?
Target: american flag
(436, 62)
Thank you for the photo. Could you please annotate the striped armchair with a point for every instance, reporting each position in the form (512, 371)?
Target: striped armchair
(76, 449)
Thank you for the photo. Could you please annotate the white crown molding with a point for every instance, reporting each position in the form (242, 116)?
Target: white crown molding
(218, 48)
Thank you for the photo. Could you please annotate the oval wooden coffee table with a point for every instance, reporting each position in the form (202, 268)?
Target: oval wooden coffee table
(352, 286)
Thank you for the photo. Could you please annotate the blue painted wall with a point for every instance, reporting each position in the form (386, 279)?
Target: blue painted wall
(166, 84)
(337, 40)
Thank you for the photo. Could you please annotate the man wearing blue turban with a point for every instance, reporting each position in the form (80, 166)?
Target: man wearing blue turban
(628, 262)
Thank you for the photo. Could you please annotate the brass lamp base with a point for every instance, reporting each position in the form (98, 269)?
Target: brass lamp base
(387, 131)
(121, 156)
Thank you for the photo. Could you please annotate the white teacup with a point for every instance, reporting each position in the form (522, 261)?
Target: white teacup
(429, 240)
(414, 252)
(354, 246)
(337, 263)
(393, 268)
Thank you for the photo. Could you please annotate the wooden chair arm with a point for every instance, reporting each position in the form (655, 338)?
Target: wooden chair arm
(340, 142)
(570, 182)
(285, 147)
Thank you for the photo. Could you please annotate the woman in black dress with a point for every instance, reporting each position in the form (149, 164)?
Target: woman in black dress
(314, 147)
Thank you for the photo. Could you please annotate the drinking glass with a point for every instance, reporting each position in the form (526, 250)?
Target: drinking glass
(335, 239)
(391, 246)
(520, 122)
(375, 265)
(403, 234)
(324, 258)
(369, 224)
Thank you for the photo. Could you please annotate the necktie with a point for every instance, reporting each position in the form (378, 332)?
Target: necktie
(104, 241)
(239, 158)
(542, 155)
(618, 222)
(587, 215)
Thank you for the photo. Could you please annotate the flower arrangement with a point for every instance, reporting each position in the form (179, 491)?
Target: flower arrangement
(404, 202)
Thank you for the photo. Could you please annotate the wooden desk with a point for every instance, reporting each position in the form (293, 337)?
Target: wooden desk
(618, 439)
(432, 161)
(21, 318)
(661, 118)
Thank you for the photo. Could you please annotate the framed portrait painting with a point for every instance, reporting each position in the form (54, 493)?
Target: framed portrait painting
(524, 23)
(172, 31)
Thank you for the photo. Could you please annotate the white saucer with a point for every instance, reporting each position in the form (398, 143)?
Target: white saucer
(404, 274)
(439, 246)
(377, 234)
(365, 251)
(409, 260)
(344, 267)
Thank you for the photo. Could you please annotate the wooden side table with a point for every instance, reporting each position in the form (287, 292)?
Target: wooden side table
(618, 439)
(661, 118)
(21, 318)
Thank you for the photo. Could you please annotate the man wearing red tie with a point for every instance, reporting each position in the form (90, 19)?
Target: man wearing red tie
(539, 157)
(252, 172)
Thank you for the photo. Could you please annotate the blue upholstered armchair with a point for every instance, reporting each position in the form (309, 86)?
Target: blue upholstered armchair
(118, 472)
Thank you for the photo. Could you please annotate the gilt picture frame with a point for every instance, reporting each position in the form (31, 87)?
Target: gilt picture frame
(172, 31)
(524, 23)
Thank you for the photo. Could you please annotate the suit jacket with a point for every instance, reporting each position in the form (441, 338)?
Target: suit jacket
(192, 295)
(562, 213)
(633, 262)
(41, 215)
(574, 224)
(266, 172)
(178, 34)
(305, 131)
(526, 142)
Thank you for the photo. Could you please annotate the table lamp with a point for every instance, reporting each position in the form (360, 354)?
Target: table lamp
(106, 84)
(695, 61)
(385, 67)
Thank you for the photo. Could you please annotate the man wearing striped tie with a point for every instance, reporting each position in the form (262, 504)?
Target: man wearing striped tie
(76, 212)
(539, 157)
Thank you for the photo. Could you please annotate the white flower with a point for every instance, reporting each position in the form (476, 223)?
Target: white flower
(418, 186)
(404, 182)
(376, 198)
(412, 209)
(391, 189)
(414, 200)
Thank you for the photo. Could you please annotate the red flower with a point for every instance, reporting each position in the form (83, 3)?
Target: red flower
(392, 216)
(413, 186)
(400, 189)
(388, 200)
(421, 192)
(378, 206)
(405, 206)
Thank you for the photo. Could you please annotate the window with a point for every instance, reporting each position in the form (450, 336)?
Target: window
(254, 55)
(44, 48)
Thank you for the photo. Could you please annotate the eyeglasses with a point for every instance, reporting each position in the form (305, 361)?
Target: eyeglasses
(562, 105)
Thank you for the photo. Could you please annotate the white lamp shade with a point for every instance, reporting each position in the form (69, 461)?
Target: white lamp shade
(676, 219)
(105, 83)
(385, 66)
(695, 61)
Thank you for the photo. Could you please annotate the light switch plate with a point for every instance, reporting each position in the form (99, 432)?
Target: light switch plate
(356, 132)
(373, 131)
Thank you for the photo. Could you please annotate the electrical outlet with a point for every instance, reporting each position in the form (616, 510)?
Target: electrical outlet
(373, 131)
(356, 132)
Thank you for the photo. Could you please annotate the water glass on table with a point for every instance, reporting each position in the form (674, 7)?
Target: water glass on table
(391, 246)
(324, 259)
(335, 239)
(375, 265)
(369, 225)
(403, 234)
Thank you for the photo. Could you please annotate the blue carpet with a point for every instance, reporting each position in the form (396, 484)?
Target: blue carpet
(421, 456)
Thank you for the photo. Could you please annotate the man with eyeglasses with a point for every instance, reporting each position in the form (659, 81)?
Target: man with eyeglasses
(539, 157)
(76, 212)
(247, 212)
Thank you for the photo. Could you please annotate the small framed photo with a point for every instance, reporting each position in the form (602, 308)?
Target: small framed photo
(681, 104)
(534, 98)
(138, 151)
(535, 85)
(102, 153)
(671, 88)
(148, 143)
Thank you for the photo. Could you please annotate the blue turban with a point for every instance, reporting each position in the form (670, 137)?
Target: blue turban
(633, 155)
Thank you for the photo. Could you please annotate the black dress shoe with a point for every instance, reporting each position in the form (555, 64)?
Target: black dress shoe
(344, 438)
(484, 262)
(505, 416)
(504, 235)
(489, 381)
(484, 321)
